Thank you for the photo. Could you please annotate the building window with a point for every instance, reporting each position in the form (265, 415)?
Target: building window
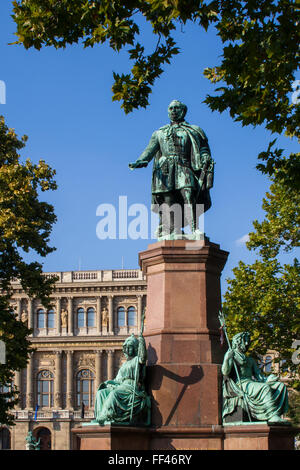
(90, 317)
(50, 318)
(6, 392)
(45, 389)
(41, 318)
(121, 316)
(44, 435)
(131, 316)
(4, 439)
(80, 318)
(268, 364)
(12, 310)
(85, 388)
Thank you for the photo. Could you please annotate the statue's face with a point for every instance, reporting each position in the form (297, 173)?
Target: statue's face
(244, 344)
(129, 350)
(176, 111)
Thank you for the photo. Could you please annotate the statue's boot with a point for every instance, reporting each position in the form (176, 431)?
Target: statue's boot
(190, 216)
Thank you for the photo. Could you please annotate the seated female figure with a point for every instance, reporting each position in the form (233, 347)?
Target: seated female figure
(124, 399)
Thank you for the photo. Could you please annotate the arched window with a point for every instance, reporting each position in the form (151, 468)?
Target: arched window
(41, 318)
(131, 316)
(45, 388)
(91, 316)
(44, 435)
(121, 316)
(51, 318)
(268, 364)
(85, 388)
(80, 317)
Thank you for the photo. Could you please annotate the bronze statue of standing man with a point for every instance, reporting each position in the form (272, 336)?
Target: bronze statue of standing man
(182, 172)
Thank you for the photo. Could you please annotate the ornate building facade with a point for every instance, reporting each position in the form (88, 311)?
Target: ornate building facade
(78, 344)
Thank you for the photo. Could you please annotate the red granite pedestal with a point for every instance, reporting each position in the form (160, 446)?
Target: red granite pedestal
(110, 438)
(259, 436)
(184, 359)
(183, 340)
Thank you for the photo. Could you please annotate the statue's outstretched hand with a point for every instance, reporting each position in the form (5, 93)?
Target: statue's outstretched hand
(134, 165)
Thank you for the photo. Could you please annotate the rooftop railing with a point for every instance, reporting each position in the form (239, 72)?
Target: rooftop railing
(114, 275)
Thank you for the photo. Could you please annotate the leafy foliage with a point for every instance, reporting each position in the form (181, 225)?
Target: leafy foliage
(294, 408)
(260, 57)
(257, 72)
(25, 224)
(14, 334)
(58, 23)
(264, 297)
(280, 229)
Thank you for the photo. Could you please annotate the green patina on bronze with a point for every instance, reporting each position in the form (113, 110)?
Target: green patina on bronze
(31, 442)
(263, 398)
(182, 169)
(124, 400)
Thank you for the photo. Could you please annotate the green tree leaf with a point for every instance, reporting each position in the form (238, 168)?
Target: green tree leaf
(25, 224)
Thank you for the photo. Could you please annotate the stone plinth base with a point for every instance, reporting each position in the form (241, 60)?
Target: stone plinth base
(187, 438)
(259, 437)
(110, 438)
(131, 438)
(235, 437)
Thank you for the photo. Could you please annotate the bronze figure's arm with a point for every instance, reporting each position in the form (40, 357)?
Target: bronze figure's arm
(148, 153)
(228, 362)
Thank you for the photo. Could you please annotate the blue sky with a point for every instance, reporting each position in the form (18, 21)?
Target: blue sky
(62, 101)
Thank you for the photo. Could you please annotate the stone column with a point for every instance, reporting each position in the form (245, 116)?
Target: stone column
(19, 309)
(110, 315)
(110, 365)
(98, 370)
(70, 316)
(139, 312)
(70, 393)
(126, 319)
(85, 320)
(46, 318)
(58, 316)
(18, 385)
(29, 386)
(58, 380)
(98, 316)
(31, 319)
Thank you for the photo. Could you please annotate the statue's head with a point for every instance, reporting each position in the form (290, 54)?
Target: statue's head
(241, 341)
(177, 111)
(131, 346)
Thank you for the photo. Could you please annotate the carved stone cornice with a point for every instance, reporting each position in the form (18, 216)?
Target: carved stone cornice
(67, 291)
(88, 345)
